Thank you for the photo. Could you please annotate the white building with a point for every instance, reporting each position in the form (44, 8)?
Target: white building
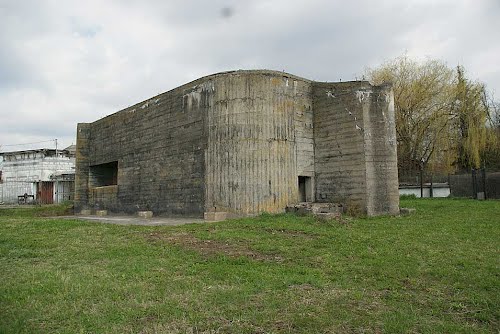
(46, 175)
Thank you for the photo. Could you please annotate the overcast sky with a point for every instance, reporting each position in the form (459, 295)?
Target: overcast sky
(65, 62)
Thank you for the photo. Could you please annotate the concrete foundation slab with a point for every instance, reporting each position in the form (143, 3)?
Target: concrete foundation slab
(134, 220)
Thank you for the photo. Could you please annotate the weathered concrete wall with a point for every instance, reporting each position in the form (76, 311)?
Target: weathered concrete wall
(104, 197)
(159, 146)
(382, 194)
(82, 158)
(340, 163)
(355, 146)
(304, 136)
(252, 163)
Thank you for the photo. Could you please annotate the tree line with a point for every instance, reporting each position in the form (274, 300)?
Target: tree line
(445, 121)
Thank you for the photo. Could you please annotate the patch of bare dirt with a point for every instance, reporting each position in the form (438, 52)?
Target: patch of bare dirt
(291, 233)
(212, 247)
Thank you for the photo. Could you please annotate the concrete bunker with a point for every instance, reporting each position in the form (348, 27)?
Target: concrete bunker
(243, 142)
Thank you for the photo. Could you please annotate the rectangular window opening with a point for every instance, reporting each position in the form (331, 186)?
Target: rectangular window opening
(104, 174)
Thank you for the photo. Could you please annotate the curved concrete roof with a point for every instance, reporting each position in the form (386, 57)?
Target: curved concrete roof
(252, 72)
(212, 76)
(198, 81)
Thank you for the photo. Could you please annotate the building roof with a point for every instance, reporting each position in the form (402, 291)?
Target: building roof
(43, 150)
(71, 149)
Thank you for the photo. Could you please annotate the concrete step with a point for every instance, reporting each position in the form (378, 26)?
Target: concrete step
(330, 210)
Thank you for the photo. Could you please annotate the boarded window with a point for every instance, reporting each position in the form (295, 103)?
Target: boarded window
(104, 174)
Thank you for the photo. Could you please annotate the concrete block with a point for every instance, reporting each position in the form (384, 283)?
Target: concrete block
(335, 208)
(85, 212)
(101, 212)
(215, 216)
(407, 211)
(145, 214)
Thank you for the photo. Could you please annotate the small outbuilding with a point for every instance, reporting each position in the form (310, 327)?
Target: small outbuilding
(243, 142)
(43, 176)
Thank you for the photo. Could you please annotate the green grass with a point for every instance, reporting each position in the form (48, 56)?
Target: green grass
(434, 271)
(65, 209)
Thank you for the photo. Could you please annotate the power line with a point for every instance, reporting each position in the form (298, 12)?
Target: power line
(37, 142)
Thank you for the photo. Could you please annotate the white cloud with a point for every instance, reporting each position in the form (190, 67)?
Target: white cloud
(67, 62)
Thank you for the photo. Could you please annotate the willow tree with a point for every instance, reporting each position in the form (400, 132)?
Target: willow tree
(441, 116)
(491, 155)
(423, 97)
(471, 112)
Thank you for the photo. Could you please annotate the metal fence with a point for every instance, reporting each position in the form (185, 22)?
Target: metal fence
(476, 183)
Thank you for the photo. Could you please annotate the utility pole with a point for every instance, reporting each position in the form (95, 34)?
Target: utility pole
(422, 178)
(55, 191)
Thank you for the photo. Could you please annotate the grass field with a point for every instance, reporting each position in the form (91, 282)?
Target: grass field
(437, 270)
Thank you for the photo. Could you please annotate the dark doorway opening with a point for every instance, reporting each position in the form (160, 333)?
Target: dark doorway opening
(305, 190)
